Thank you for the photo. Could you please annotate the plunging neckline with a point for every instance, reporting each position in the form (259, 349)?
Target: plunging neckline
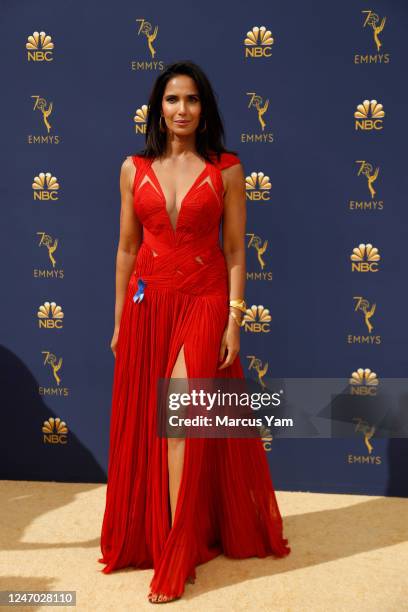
(156, 180)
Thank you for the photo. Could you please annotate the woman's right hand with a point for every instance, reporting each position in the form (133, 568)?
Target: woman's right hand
(114, 340)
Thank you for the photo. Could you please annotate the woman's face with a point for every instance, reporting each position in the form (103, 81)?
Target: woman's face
(181, 105)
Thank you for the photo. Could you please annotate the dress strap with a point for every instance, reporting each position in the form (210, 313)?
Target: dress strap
(141, 164)
(137, 161)
(226, 160)
(214, 169)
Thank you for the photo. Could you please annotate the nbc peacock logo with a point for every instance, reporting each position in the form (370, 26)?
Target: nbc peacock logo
(50, 316)
(140, 119)
(363, 382)
(369, 116)
(39, 47)
(45, 187)
(258, 187)
(258, 42)
(257, 319)
(365, 258)
(55, 431)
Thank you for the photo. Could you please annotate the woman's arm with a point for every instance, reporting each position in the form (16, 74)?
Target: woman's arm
(233, 238)
(130, 238)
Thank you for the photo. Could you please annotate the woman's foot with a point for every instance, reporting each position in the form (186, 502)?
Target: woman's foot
(160, 598)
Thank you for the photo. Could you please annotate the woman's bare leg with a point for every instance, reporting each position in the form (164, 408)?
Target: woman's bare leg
(175, 452)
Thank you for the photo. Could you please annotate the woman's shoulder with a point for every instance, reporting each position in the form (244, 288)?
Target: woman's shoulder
(132, 165)
(226, 159)
(133, 162)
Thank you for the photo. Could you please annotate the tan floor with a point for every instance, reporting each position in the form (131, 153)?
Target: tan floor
(348, 553)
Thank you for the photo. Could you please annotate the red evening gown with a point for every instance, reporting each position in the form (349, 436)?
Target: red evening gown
(226, 501)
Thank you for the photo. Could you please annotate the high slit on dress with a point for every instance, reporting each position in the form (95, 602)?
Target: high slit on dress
(226, 502)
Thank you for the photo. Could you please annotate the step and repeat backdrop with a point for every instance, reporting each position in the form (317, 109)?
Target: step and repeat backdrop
(313, 98)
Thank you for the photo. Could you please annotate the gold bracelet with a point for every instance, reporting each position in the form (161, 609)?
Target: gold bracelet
(240, 304)
(236, 319)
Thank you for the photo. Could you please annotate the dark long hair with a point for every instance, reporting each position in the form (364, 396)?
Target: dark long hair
(208, 142)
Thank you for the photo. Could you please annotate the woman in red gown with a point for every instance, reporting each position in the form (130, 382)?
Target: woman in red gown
(173, 503)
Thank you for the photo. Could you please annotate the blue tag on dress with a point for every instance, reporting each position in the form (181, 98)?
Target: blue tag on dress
(139, 295)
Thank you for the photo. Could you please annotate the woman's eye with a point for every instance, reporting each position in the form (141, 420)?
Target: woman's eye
(192, 99)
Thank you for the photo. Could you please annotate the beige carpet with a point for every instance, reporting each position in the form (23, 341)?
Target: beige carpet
(348, 553)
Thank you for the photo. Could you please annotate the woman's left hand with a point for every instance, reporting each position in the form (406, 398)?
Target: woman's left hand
(230, 343)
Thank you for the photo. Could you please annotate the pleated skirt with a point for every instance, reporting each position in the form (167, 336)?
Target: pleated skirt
(226, 501)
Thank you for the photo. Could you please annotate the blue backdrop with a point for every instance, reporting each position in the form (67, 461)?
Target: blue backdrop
(68, 107)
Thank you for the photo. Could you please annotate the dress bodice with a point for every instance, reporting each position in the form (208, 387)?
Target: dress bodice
(169, 253)
(200, 210)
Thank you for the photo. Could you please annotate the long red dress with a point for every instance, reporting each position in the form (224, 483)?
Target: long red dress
(226, 502)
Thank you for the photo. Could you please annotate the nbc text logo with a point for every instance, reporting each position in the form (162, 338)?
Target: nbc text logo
(369, 116)
(140, 119)
(50, 316)
(257, 319)
(258, 42)
(258, 186)
(365, 258)
(55, 431)
(363, 382)
(39, 47)
(45, 187)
